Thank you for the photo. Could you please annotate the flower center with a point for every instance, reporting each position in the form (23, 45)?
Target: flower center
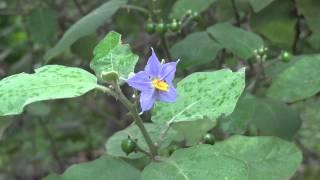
(160, 85)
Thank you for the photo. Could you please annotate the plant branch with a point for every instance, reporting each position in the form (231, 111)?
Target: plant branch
(137, 119)
(138, 148)
(236, 13)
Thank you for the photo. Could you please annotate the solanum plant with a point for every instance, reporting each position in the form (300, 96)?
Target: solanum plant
(198, 99)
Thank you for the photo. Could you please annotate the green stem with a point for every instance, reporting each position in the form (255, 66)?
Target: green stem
(137, 8)
(134, 113)
(165, 46)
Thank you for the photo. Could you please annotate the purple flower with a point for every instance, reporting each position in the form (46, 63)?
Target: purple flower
(155, 82)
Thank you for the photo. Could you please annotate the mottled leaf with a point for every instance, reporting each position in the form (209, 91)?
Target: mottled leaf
(48, 82)
(202, 95)
(240, 42)
(110, 55)
(85, 26)
(289, 86)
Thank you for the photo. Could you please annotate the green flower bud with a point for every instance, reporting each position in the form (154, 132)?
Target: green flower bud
(208, 139)
(161, 28)
(128, 146)
(150, 28)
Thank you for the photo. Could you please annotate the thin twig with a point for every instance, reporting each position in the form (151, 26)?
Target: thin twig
(165, 47)
(138, 148)
(137, 8)
(236, 13)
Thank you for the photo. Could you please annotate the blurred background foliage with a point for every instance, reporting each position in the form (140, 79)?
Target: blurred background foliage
(204, 34)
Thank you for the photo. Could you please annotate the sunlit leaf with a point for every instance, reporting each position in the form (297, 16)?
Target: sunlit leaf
(48, 82)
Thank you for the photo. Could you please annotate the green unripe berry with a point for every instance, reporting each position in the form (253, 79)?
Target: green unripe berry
(208, 139)
(285, 56)
(150, 28)
(128, 146)
(195, 16)
(161, 28)
(174, 26)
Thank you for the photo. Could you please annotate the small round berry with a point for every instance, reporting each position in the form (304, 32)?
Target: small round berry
(128, 146)
(208, 139)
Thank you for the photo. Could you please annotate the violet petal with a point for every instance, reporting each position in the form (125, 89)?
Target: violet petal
(140, 81)
(153, 66)
(147, 99)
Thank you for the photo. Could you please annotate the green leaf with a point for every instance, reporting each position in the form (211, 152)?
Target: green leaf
(182, 6)
(85, 26)
(271, 117)
(112, 56)
(258, 5)
(276, 24)
(304, 73)
(42, 25)
(239, 157)
(239, 120)
(113, 145)
(196, 163)
(106, 167)
(310, 11)
(48, 82)
(275, 118)
(192, 131)
(309, 134)
(84, 46)
(204, 49)
(202, 95)
(267, 158)
(240, 42)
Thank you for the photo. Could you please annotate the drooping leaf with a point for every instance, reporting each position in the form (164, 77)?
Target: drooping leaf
(110, 55)
(288, 86)
(241, 158)
(85, 26)
(113, 145)
(202, 95)
(42, 25)
(240, 42)
(276, 24)
(204, 49)
(258, 5)
(182, 6)
(237, 122)
(270, 117)
(275, 118)
(48, 82)
(105, 167)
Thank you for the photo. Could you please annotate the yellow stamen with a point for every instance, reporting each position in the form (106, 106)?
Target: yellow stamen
(160, 85)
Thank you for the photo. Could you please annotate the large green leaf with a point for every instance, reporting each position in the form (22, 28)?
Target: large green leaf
(204, 49)
(110, 55)
(240, 42)
(258, 5)
(271, 117)
(42, 25)
(309, 134)
(310, 10)
(113, 145)
(200, 162)
(182, 6)
(85, 26)
(238, 121)
(48, 82)
(276, 24)
(288, 86)
(106, 167)
(239, 158)
(275, 118)
(202, 95)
